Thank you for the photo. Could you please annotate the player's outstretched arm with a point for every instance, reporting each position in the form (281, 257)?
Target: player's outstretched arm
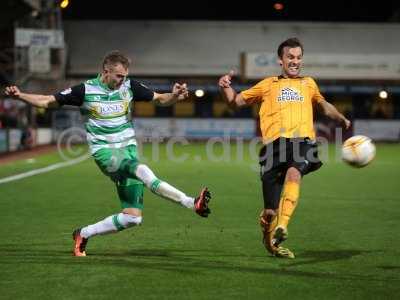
(330, 111)
(228, 93)
(179, 92)
(44, 101)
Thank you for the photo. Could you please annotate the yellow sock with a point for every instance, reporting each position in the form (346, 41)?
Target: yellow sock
(288, 202)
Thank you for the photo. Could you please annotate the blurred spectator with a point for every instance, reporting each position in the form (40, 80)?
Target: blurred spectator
(204, 107)
(379, 113)
(164, 111)
(27, 138)
(361, 106)
(382, 109)
(228, 113)
(396, 107)
(13, 113)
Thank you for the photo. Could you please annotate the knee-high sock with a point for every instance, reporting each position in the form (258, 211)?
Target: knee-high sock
(111, 224)
(162, 188)
(288, 202)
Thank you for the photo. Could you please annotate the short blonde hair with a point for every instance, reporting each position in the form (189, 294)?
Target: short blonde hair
(114, 57)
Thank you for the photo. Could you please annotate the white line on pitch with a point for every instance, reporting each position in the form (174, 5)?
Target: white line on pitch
(44, 170)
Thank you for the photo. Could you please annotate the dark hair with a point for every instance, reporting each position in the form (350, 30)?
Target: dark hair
(115, 57)
(291, 43)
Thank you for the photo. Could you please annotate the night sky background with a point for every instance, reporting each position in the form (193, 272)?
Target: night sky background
(332, 11)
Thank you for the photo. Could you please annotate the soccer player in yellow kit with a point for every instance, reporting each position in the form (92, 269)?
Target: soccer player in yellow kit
(289, 151)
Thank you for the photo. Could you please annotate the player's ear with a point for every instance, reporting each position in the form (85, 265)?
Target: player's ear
(279, 61)
(106, 70)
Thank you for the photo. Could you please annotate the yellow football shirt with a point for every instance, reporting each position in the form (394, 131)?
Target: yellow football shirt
(286, 106)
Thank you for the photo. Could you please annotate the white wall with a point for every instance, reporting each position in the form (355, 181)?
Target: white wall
(212, 47)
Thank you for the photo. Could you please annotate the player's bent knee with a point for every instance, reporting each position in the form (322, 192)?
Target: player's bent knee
(145, 174)
(293, 174)
(135, 220)
(128, 220)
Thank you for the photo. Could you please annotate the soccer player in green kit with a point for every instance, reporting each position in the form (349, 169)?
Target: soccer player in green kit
(106, 101)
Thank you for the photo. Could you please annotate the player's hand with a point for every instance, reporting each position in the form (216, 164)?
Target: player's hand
(226, 80)
(13, 91)
(180, 91)
(346, 123)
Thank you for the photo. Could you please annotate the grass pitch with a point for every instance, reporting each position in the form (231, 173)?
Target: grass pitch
(345, 233)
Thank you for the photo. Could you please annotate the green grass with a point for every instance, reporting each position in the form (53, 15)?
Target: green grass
(345, 234)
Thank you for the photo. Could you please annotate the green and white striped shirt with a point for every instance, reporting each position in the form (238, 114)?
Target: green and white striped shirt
(108, 112)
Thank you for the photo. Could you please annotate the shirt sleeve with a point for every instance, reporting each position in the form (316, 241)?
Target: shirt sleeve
(72, 96)
(255, 93)
(316, 94)
(141, 92)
